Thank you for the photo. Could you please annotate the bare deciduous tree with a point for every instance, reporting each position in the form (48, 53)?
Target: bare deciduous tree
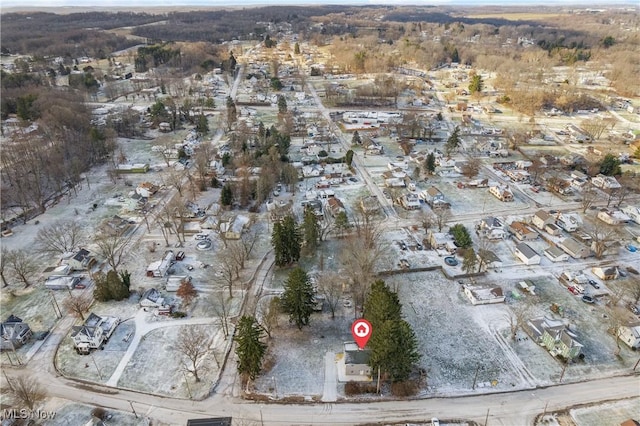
(3, 265)
(59, 238)
(517, 319)
(471, 168)
(113, 248)
(271, 315)
(193, 344)
(26, 391)
(442, 216)
(22, 266)
(589, 196)
(601, 236)
(359, 260)
(78, 305)
(330, 285)
(221, 305)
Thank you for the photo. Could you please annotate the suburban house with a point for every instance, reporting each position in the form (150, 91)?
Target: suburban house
(552, 229)
(491, 228)
(479, 295)
(93, 333)
(432, 196)
(410, 201)
(15, 333)
(522, 231)
(335, 206)
(488, 259)
(159, 268)
(556, 254)
(116, 225)
(553, 335)
(61, 282)
(234, 228)
(541, 219)
(501, 192)
(369, 204)
(613, 217)
(605, 182)
(633, 212)
(151, 298)
(568, 221)
(526, 254)
(81, 260)
(574, 249)
(356, 361)
(442, 241)
(146, 189)
(606, 273)
(630, 335)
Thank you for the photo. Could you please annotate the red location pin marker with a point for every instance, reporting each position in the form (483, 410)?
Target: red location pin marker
(361, 330)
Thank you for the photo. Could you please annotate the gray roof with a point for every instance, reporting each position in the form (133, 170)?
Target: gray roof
(358, 357)
(527, 251)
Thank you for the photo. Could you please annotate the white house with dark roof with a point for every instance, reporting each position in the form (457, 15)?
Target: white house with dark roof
(630, 335)
(81, 260)
(479, 295)
(633, 212)
(526, 254)
(151, 298)
(542, 218)
(93, 332)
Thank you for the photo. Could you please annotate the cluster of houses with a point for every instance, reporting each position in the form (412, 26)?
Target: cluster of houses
(61, 277)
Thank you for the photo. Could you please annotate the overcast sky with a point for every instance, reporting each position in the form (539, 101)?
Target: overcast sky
(141, 3)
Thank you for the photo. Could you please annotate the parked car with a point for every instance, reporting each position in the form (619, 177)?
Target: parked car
(634, 308)
(573, 290)
(419, 246)
(352, 179)
(201, 236)
(435, 422)
(403, 245)
(180, 255)
(594, 284)
(588, 299)
(80, 286)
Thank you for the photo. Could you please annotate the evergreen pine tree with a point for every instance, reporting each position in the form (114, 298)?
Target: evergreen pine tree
(297, 299)
(250, 349)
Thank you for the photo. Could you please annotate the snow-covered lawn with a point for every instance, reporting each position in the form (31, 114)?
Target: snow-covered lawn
(79, 414)
(157, 368)
(611, 413)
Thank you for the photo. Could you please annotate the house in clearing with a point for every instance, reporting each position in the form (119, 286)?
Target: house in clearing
(410, 201)
(14, 333)
(151, 298)
(541, 219)
(501, 192)
(630, 334)
(491, 228)
(81, 260)
(574, 249)
(554, 336)
(568, 221)
(522, 231)
(526, 254)
(479, 295)
(606, 273)
(613, 217)
(159, 268)
(356, 361)
(94, 332)
(556, 254)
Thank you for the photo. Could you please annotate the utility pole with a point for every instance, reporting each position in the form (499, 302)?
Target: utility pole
(56, 309)
(486, 419)
(564, 368)
(475, 377)
(94, 363)
(133, 409)
(635, 366)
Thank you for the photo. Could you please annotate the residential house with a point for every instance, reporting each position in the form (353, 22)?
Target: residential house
(570, 222)
(116, 225)
(14, 332)
(574, 249)
(522, 231)
(606, 183)
(356, 361)
(630, 335)
(526, 254)
(552, 229)
(369, 204)
(488, 259)
(553, 335)
(633, 212)
(159, 268)
(146, 189)
(313, 170)
(606, 273)
(61, 282)
(556, 254)
(613, 217)
(151, 298)
(491, 228)
(234, 228)
(501, 192)
(410, 201)
(442, 241)
(335, 206)
(479, 295)
(541, 219)
(81, 260)
(432, 196)
(94, 332)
